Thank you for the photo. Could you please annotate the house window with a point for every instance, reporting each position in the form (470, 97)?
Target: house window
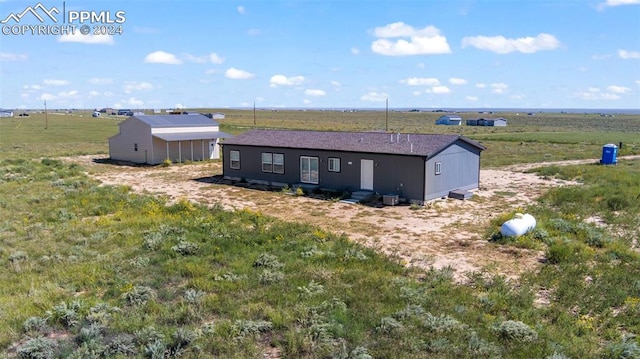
(278, 163)
(267, 162)
(334, 164)
(135, 147)
(273, 162)
(309, 169)
(438, 168)
(234, 160)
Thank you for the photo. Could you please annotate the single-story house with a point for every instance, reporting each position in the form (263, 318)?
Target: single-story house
(452, 120)
(153, 139)
(415, 167)
(494, 122)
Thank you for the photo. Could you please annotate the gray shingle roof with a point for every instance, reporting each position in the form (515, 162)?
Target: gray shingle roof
(370, 142)
(156, 121)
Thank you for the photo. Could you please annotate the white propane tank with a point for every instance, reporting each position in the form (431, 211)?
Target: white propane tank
(519, 225)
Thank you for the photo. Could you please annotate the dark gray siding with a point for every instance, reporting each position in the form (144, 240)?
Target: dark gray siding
(460, 169)
(392, 174)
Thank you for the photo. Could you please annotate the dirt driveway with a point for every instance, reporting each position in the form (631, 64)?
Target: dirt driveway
(446, 232)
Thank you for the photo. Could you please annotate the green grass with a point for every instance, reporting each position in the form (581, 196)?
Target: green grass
(99, 271)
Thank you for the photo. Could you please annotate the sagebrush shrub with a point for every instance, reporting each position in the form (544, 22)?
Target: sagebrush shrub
(139, 295)
(514, 330)
(269, 276)
(268, 261)
(37, 348)
(35, 325)
(243, 328)
(185, 248)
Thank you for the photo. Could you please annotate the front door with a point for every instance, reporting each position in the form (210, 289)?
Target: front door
(366, 175)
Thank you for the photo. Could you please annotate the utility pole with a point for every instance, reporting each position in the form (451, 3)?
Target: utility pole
(386, 116)
(46, 117)
(254, 113)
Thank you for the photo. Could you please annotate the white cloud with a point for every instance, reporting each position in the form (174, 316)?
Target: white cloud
(618, 89)
(196, 59)
(7, 56)
(596, 95)
(306, 101)
(134, 102)
(211, 71)
(373, 96)
(68, 94)
(426, 41)
(241, 10)
(517, 97)
(480, 85)
(502, 45)
(355, 50)
(47, 97)
(417, 93)
(612, 3)
(439, 90)
(236, 74)
(100, 81)
(624, 54)
(457, 81)
(214, 58)
(130, 86)
(499, 88)
(32, 87)
(161, 57)
(421, 81)
(52, 82)
(282, 80)
(87, 39)
(336, 83)
(314, 92)
(94, 93)
(637, 82)
(471, 98)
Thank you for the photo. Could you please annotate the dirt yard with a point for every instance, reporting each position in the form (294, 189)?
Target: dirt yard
(445, 232)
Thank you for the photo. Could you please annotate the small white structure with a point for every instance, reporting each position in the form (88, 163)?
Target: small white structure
(519, 225)
(153, 139)
(96, 114)
(217, 116)
(6, 113)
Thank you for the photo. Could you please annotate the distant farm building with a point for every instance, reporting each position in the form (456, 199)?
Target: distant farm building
(413, 167)
(451, 120)
(153, 139)
(6, 113)
(217, 116)
(493, 122)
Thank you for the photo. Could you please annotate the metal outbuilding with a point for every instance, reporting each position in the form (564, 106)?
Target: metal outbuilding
(153, 139)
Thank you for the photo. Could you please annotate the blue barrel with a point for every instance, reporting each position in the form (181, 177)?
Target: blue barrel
(609, 154)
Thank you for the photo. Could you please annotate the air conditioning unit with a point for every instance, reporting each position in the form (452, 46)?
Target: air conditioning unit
(390, 199)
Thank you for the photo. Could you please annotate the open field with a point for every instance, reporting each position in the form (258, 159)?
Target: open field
(101, 260)
(543, 137)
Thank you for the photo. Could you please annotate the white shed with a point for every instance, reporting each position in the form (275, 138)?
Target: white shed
(153, 139)
(217, 116)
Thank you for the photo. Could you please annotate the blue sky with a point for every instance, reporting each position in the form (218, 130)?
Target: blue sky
(324, 54)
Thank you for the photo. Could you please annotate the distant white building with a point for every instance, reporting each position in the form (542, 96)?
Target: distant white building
(6, 113)
(217, 116)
